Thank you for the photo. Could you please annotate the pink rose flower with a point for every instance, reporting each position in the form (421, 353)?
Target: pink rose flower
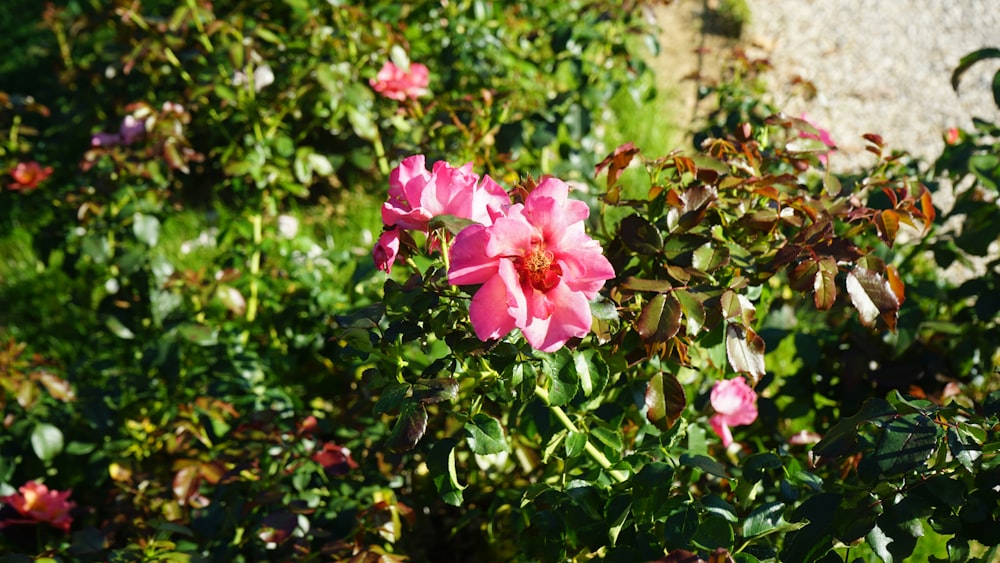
(537, 266)
(28, 175)
(37, 503)
(735, 404)
(416, 196)
(386, 250)
(398, 84)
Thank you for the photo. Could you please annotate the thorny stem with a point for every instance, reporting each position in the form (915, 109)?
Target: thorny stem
(595, 454)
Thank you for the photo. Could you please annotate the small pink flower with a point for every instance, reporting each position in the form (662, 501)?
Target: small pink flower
(37, 503)
(28, 175)
(735, 404)
(386, 250)
(398, 84)
(537, 266)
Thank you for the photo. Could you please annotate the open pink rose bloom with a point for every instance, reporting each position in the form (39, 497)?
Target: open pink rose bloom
(735, 404)
(398, 84)
(416, 196)
(37, 503)
(537, 268)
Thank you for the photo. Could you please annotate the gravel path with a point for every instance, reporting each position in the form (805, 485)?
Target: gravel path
(881, 66)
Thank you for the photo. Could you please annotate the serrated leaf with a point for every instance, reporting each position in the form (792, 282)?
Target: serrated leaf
(843, 435)
(745, 350)
(665, 400)
(485, 435)
(660, 319)
(432, 391)
(962, 450)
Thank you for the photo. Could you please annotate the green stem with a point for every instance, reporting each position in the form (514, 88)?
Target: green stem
(252, 303)
(595, 454)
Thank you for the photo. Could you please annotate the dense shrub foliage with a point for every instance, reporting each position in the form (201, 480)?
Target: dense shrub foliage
(557, 350)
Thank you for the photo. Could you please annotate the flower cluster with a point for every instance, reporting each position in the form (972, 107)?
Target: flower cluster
(416, 196)
(735, 404)
(399, 84)
(536, 266)
(28, 175)
(37, 504)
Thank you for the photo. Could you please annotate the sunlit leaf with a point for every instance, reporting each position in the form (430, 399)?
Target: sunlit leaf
(443, 471)
(745, 350)
(825, 288)
(660, 319)
(485, 435)
(665, 400)
(871, 295)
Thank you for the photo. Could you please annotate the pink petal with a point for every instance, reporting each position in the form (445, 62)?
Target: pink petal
(722, 429)
(470, 263)
(568, 318)
(386, 249)
(488, 310)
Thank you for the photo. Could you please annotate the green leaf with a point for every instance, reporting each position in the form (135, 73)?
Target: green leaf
(441, 465)
(962, 450)
(680, 526)
(764, 519)
(706, 464)
(660, 319)
(432, 391)
(46, 441)
(146, 229)
(815, 539)
(879, 542)
(563, 383)
(575, 444)
(906, 443)
(710, 257)
(713, 533)
(451, 223)
(610, 438)
(665, 400)
(693, 309)
(409, 427)
(755, 465)
(391, 398)
(842, 436)
(968, 60)
(485, 435)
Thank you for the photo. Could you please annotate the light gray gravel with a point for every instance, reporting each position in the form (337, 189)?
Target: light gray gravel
(880, 66)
